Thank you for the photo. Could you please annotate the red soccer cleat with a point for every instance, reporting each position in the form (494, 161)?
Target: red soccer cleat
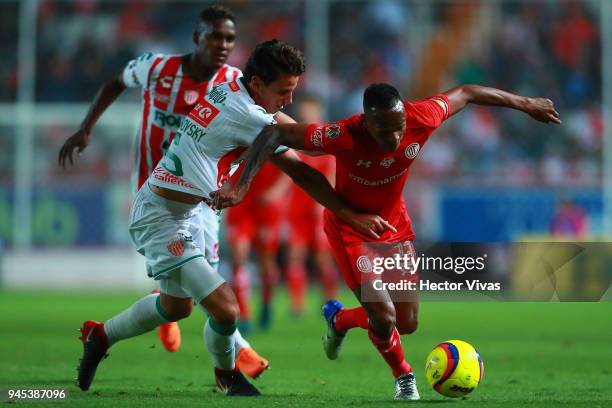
(95, 345)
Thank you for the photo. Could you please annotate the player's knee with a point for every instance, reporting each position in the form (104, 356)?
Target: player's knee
(383, 321)
(178, 311)
(228, 315)
(407, 327)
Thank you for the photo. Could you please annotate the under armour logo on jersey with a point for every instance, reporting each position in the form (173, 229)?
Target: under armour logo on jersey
(364, 163)
(387, 162)
(412, 150)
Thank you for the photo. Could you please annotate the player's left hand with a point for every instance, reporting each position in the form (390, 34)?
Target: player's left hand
(226, 197)
(542, 110)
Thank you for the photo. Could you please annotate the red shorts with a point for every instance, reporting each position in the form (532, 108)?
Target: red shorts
(257, 224)
(354, 254)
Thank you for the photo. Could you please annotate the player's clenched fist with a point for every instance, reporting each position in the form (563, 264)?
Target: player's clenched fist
(79, 140)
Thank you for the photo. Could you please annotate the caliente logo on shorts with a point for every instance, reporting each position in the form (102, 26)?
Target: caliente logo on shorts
(412, 150)
(364, 264)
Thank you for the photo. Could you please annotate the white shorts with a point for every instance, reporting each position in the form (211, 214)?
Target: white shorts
(205, 230)
(163, 231)
(195, 279)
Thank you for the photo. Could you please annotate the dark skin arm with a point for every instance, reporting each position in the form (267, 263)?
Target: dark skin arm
(310, 180)
(541, 109)
(106, 95)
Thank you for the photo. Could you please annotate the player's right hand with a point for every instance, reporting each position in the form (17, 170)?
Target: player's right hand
(369, 224)
(226, 197)
(79, 140)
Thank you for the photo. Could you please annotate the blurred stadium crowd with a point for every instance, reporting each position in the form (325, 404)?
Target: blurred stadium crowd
(539, 48)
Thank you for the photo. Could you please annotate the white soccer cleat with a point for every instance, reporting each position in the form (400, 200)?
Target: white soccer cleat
(405, 388)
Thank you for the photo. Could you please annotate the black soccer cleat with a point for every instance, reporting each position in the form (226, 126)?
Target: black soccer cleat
(95, 346)
(234, 384)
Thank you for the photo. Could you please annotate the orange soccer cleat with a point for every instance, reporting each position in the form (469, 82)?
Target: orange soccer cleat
(251, 363)
(169, 333)
(170, 336)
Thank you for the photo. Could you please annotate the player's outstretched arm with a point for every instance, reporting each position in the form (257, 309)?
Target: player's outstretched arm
(106, 95)
(315, 184)
(309, 179)
(541, 109)
(264, 145)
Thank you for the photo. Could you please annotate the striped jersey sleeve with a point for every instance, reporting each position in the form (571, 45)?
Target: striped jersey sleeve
(136, 72)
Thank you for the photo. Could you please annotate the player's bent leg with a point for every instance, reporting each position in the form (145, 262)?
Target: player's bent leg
(219, 332)
(241, 282)
(169, 334)
(407, 317)
(247, 359)
(385, 337)
(143, 316)
(211, 291)
(327, 272)
(296, 277)
(269, 279)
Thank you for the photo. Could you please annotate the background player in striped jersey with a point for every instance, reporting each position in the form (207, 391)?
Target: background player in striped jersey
(256, 223)
(171, 85)
(305, 221)
(373, 153)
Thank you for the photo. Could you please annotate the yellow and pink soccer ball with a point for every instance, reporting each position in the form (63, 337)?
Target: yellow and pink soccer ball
(454, 368)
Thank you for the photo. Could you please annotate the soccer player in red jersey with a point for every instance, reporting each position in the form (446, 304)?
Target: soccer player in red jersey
(373, 153)
(256, 222)
(171, 86)
(305, 222)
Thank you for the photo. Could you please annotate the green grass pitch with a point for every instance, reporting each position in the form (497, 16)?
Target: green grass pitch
(535, 355)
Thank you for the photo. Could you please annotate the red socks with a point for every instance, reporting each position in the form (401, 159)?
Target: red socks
(296, 285)
(242, 289)
(329, 281)
(349, 318)
(269, 277)
(391, 350)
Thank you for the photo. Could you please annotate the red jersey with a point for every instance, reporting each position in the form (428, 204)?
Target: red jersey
(168, 95)
(370, 178)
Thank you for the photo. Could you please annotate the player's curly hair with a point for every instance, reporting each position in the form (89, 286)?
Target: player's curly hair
(212, 13)
(272, 59)
(380, 96)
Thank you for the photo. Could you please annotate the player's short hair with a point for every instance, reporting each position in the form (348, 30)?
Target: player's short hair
(380, 96)
(212, 13)
(273, 59)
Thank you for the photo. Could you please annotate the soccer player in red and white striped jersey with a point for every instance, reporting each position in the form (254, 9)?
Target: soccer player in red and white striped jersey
(171, 86)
